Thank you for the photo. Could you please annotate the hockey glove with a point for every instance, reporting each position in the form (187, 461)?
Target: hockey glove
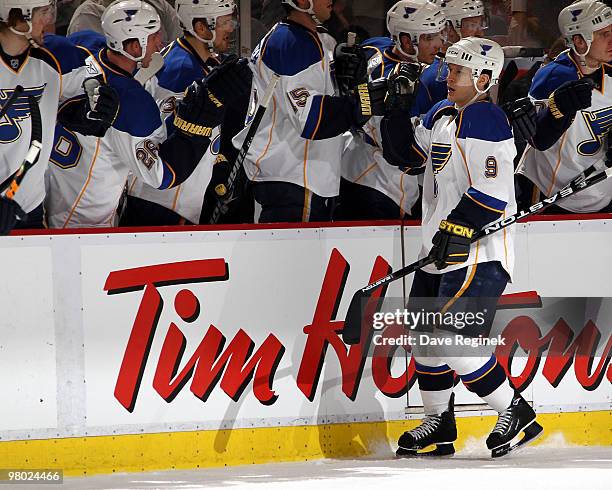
(451, 244)
(9, 211)
(370, 100)
(350, 66)
(571, 97)
(402, 85)
(523, 118)
(103, 102)
(231, 80)
(199, 111)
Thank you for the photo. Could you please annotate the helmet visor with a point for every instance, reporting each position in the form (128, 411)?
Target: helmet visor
(456, 75)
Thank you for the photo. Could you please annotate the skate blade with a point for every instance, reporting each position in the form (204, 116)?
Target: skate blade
(442, 450)
(531, 432)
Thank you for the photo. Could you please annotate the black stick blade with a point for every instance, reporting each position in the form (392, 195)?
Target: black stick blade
(351, 334)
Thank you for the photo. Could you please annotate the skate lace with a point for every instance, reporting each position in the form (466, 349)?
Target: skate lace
(503, 422)
(429, 425)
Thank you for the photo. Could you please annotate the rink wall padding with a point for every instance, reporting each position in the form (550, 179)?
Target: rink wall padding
(210, 346)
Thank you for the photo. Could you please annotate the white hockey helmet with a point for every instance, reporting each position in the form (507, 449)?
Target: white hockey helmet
(414, 17)
(584, 17)
(208, 10)
(129, 19)
(457, 10)
(26, 7)
(479, 55)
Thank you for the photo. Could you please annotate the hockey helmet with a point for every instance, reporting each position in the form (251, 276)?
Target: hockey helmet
(414, 17)
(26, 7)
(583, 18)
(479, 55)
(457, 10)
(208, 10)
(129, 19)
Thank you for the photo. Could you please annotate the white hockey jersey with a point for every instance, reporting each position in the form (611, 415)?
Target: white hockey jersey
(469, 156)
(181, 67)
(582, 145)
(286, 147)
(87, 175)
(50, 74)
(362, 160)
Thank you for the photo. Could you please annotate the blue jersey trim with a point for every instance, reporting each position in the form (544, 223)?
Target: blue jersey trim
(314, 116)
(290, 49)
(429, 119)
(66, 53)
(548, 78)
(91, 40)
(421, 368)
(486, 200)
(484, 121)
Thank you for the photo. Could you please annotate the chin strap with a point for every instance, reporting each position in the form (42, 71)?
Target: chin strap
(27, 34)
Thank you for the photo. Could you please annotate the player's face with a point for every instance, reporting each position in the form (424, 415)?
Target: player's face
(43, 18)
(601, 47)
(154, 45)
(460, 85)
(322, 9)
(429, 46)
(472, 26)
(452, 36)
(226, 25)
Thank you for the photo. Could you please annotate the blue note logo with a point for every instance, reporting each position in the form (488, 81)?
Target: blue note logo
(575, 14)
(10, 124)
(598, 123)
(485, 49)
(409, 12)
(440, 155)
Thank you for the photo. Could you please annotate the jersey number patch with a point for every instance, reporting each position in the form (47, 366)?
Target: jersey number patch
(67, 150)
(146, 153)
(491, 168)
(300, 96)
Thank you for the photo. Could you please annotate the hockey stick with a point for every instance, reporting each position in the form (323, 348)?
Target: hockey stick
(222, 205)
(14, 96)
(11, 185)
(145, 74)
(351, 334)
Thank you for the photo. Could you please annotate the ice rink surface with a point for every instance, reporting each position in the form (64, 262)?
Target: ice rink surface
(541, 467)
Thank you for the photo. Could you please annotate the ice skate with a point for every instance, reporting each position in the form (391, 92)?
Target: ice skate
(435, 430)
(518, 417)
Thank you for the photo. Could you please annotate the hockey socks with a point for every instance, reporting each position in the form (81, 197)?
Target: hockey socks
(489, 382)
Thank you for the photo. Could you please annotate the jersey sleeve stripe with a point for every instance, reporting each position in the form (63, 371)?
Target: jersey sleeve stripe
(169, 176)
(316, 113)
(488, 202)
(481, 372)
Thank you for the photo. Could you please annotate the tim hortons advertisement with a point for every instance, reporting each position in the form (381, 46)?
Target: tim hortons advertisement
(242, 330)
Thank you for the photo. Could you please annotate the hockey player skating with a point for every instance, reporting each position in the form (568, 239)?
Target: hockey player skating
(294, 160)
(88, 174)
(468, 183)
(50, 70)
(208, 26)
(575, 96)
(371, 188)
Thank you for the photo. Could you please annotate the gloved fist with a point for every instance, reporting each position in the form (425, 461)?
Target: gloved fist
(402, 86)
(231, 80)
(370, 100)
(523, 117)
(571, 97)
(199, 111)
(103, 102)
(9, 212)
(451, 244)
(350, 66)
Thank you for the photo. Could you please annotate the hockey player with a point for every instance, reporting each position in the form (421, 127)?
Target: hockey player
(465, 18)
(371, 188)
(294, 160)
(88, 174)
(468, 183)
(208, 26)
(50, 69)
(575, 96)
